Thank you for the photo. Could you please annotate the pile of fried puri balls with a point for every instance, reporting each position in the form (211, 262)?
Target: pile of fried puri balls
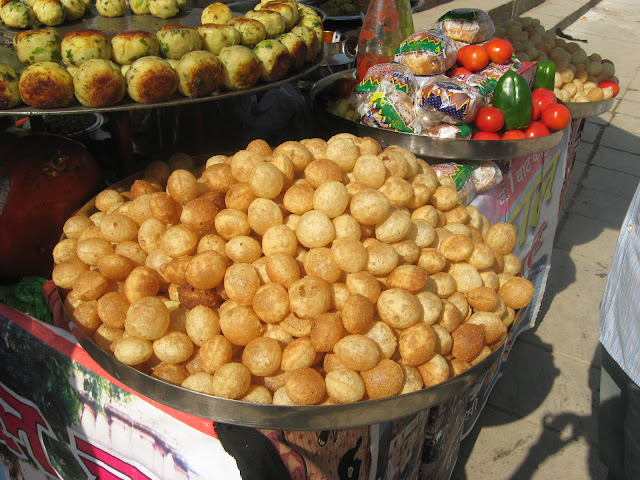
(313, 272)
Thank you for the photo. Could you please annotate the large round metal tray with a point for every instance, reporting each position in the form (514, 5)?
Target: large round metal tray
(320, 417)
(111, 26)
(446, 148)
(590, 109)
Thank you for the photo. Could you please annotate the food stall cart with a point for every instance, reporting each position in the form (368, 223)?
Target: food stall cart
(71, 410)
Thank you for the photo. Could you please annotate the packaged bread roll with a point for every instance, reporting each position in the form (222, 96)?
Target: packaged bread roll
(427, 52)
(470, 25)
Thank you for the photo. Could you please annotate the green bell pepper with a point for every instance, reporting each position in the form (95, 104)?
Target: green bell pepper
(545, 75)
(513, 97)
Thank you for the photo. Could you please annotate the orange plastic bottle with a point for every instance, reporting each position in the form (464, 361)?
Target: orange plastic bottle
(379, 36)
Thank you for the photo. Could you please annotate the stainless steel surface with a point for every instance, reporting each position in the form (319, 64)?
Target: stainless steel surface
(321, 417)
(590, 109)
(444, 148)
(127, 104)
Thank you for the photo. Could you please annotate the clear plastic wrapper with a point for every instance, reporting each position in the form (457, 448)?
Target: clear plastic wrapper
(470, 177)
(448, 130)
(399, 75)
(427, 52)
(387, 108)
(444, 100)
(485, 85)
(469, 25)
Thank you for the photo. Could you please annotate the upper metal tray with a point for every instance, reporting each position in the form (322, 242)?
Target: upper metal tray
(447, 148)
(111, 26)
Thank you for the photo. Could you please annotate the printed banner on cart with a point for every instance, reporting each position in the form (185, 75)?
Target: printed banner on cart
(62, 416)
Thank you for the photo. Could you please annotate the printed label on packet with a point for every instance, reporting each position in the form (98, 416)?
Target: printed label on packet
(386, 114)
(422, 42)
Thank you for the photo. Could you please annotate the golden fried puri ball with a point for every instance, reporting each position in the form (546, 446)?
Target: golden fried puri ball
(326, 330)
(344, 385)
(369, 206)
(357, 352)
(305, 386)
(412, 278)
(482, 298)
(309, 297)
(33, 46)
(231, 380)
(148, 318)
(279, 239)
(434, 371)
(262, 356)
(282, 269)
(241, 68)
(215, 352)
(382, 258)
(322, 170)
(151, 79)
(501, 237)
(263, 214)
(200, 382)
(240, 325)
(46, 85)
(299, 353)
(468, 341)
(271, 303)
(171, 373)
(399, 308)
(206, 270)
(384, 380)
(173, 347)
(349, 254)
(315, 229)
(241, 282)
(112, 309)
(516, 292)
(494, 329)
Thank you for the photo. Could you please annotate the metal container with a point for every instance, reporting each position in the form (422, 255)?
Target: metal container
(320, 417)
(590, 109)
(440, 148)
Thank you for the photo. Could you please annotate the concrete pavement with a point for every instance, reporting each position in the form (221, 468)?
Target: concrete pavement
(541, 419)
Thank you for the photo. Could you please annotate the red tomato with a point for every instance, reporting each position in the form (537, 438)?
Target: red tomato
(460, 71)
(535, 111)
(536, 129)
(460, 54)
(612, 85)
(473, 57)
(543, 97)
(513, 135)
(486, 136)
(490, 119)
(556, 116)
(499, 50)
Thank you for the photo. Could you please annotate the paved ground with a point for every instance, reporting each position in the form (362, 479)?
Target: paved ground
(540, 421)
